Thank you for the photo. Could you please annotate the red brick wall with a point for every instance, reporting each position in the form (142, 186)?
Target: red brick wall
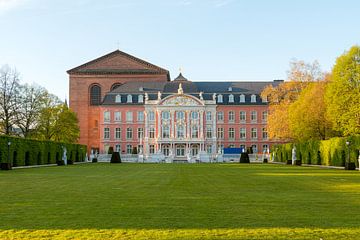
(79, 86)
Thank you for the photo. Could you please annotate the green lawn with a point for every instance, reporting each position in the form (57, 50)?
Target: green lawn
(179, 201)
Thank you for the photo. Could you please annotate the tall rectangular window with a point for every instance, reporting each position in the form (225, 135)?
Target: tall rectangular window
(264, 134)
(129, 116)
(231, 116)
(151, 148)
(129, 133)
(194, 131)
(253, 116)
(180, 131)
(152, 132)
(140, 116)
(253, 133)
(129, 149)
(220, 133)
(180, 115)
(106, 116)
(117, 116)
(264, 116)
(231, 133)
(165, 131)
(242, 116)
(242, 133)
(208, 116)
(209, 149)
(151, 116)
(118, 148)
(209, 132)
(106, 133)
(165, 115)
(140, 133)
(220, 116)
(117, 133)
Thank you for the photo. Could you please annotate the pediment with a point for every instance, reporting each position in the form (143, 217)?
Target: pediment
(118, 62)
(181, 100)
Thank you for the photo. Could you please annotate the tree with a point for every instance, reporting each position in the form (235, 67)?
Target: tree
(31, 102)
(48, 117)
(9, 87)
(343, 93)
(307, 115)
(282, 96)
(67, 125)
(57, 122)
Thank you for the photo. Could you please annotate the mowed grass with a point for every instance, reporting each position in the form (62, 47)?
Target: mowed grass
(179, 201)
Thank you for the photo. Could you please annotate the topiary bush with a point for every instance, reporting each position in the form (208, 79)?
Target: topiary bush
(111, 150)
(115, 157)
(244, 158)
(134, 150)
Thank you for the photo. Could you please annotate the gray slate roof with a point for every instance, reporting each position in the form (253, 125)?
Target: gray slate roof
(193, 88)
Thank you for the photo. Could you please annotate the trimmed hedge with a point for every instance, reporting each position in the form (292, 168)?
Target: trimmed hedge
(26, 152)
(332, 152)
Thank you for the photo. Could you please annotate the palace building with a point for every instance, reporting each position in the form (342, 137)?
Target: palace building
(124, 102)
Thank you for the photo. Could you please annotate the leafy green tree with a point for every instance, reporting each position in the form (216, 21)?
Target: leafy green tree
(58, 122)
(343, 93)
(66, 125)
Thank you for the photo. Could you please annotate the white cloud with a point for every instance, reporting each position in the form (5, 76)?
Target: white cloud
(6, 5)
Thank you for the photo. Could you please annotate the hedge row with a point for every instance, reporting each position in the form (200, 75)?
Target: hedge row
(332, 152)
(26, 152)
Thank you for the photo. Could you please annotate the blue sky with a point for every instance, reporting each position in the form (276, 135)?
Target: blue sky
(208, 39)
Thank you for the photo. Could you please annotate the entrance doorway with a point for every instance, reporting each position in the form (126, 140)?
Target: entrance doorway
(180, 150)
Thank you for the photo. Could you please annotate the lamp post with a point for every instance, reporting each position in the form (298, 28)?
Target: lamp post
(348, 147)
(8, 145)
(349, 165)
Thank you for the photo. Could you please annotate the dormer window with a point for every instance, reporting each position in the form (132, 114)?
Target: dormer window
(264, 99)
(220, 98)
(230, 89)
(118, 98)
(140, 98)
(129, 98)
(141, 89)
(253, 98)
(242, 98)
(231, 98)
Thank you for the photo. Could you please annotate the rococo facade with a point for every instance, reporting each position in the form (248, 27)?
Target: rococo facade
(131, 105)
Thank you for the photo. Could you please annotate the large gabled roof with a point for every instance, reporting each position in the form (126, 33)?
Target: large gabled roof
(125, 64)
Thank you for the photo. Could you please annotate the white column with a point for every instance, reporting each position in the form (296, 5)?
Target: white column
(187, 134)
(159, 124)
(172, 133)
(201, 124)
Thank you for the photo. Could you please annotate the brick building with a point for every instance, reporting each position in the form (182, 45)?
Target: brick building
(125, 102)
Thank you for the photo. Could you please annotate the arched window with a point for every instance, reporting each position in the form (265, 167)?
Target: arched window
(95, 95)
(118, 98)
(140, 98)
(253, 98)
(115, 85)
(129, 98)
(231, 98)
(220, 98)
(242, 98)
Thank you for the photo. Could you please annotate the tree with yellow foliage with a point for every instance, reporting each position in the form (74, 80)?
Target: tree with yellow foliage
(282, 96)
